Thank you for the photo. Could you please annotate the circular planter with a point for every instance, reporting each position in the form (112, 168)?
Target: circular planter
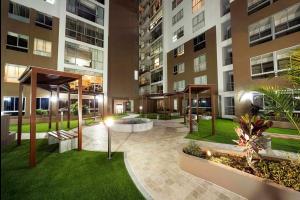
(132, 125)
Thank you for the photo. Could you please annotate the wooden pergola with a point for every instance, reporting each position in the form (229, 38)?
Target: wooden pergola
(189, 91)
(196, 90)
(48, 79)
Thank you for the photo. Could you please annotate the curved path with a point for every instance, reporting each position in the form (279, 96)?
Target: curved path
(152, 158)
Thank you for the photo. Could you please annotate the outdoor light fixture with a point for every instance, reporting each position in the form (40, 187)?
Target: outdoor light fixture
(246, 96)
(108, 123)
(99, 98)
(208, 153)
(141, 107)
(50, 1)
(53, 99)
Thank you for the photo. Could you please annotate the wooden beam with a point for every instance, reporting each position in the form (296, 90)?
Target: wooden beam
(184, 109)
(69, 109)
(57, 110)
(94, 107)
(213, 109)
(80, 113)
(169, 107)
(197, 107)
(50, 111)
(20, 113)
(102, 106)
(190, 110)
(32, 151)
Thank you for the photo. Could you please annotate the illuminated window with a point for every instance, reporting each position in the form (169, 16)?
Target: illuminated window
(42, 47)
(198, 21)
(13, 72)
(197, 5)
(200, 63)
(200, 80)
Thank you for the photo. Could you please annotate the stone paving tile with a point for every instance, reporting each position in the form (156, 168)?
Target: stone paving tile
(153, 156)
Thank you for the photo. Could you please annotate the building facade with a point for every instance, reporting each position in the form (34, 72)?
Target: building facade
(72, 36)
(234, 44)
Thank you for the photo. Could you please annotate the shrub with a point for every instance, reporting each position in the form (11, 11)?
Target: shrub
(41, 112)
(74, 109)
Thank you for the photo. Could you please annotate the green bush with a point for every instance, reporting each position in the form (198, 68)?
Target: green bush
(74, 109)
(41, 112)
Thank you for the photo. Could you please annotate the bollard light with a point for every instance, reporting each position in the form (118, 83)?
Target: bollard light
(108, 123)
(208, 153)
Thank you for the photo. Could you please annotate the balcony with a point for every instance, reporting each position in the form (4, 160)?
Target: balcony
(229, 86)
(228, 61)
(144, 82)
(143, 70)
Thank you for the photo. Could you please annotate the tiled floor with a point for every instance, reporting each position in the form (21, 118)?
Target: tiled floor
(153, 158)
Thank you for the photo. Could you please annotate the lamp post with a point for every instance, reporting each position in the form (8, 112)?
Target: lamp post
(141, 109)
(109, 122)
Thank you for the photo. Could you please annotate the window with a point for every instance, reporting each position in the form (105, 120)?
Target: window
(287, 21)
(156, 76)
(42, 103)
(198, 21)
(226, 30)
(199, 42)
(178, 69)
(178, 51)
(225, 6)
(87, 10)
(262, 65)
(229, 106)
(156, 48)
(157, 61)
(256, 5)
(228, 81)
(227, 54)
(179, 85)
(197, 5)
(11, 105)
(260, 32)
(18, 12)
(43, 20)
(284, 58)
(178, 34)
(157, 32)
(156, 20)
(13, 72)
(84, 32)
(175, 3)
(176, 18)
(83, 56)
(42, 47)
(200, 80)
(200, 63)
(17, 42)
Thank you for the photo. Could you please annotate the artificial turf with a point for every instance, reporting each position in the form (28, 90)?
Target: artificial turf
(70, 175)
(225, 134)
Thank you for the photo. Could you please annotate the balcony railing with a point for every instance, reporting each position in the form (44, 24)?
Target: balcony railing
(257, 6)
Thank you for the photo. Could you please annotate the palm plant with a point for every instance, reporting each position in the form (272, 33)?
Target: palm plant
(279, 100)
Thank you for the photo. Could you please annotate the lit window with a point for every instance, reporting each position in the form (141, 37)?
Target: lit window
(179, 51)
(178, 69)
(200, 80)
(11, 105)
(262, 65)
(177, 17)
(260, 32)
(175, 3)
(200, 63)
(13, 72)
(197, 5)
(179, 85)
(42, 47)
(178, 34)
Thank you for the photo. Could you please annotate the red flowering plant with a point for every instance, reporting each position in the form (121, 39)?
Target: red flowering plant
(251, 136)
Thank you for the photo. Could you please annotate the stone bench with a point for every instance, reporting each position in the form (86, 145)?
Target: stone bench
(66, 141)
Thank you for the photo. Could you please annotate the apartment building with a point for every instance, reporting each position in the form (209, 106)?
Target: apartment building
(72, 36)
(29, 36)
(264, 33)
(232, 44)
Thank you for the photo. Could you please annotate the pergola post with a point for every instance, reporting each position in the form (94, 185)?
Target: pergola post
(190, 109)
(165, 110)
(146, 109)
(20, 108)
(103, 106)
(197, 107)
(183, 108)
(50, 111)
(94, 107)
(57, 110)
(213, 110)
(80, 113)
(69, 109)
(170, 107)
(32, 151)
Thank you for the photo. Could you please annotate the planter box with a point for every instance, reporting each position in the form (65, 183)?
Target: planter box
(242, 183)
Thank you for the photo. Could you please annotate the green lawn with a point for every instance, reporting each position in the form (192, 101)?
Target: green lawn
(43, 127)
(70, 175)
(225, 134)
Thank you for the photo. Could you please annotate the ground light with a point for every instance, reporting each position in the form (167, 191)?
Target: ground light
(108, 123)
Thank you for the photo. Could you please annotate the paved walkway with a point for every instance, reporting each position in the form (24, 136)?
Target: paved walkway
(152, 157)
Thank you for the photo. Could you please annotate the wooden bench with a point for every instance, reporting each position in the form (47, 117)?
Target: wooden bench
(67, 141)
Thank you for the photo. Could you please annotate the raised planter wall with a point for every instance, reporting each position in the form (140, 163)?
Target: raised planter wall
(242, 183)
(129, 128)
